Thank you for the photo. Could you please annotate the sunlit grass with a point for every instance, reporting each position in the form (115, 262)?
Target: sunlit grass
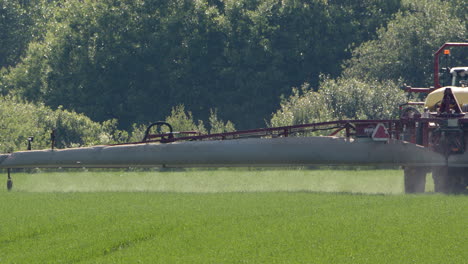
(277, 227)
(223, 180)
(228, 216)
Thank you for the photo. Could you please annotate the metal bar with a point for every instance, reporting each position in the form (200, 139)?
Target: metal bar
(274, 131)
(348, 128)
(9, 181)
(284, 151)
(436, 60)
(257, 131)
(412, 103)
(410, 89)
(337, 131)
(397, 131)
(52, 139)
(389, 129)
(425, 134)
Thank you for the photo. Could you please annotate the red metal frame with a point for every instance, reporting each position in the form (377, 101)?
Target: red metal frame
(335, 126)
(410, 89)
(352, 128)
(436, 60)
(436, 69)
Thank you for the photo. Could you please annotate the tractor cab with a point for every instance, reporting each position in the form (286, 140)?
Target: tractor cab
(459, 76)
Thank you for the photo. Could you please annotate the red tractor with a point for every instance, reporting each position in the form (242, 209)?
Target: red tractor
(441, 127)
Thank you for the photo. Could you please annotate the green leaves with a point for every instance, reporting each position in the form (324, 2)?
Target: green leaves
(181, 120)
(338, 99)
(368, 86)
(21, 22)
(219, 126)
(304, 106)
(20, 120)
(13, 20)
(404, 48)
(349, 98)
(133, 61)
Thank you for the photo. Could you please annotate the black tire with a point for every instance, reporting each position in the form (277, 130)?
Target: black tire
(415, 179)
(457, 180)
(449, 180)
(9, 184)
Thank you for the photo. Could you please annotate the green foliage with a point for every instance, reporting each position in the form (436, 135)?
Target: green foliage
(180, 120)
(20, 120)
(404, 48)
(460, 9)
(341, 98)
(349, 98)
(133, 61)
(219, 126)
(368, 87)
(137, 133)
(14, 28)
(20, 23)
(29, 78)
(302, 107)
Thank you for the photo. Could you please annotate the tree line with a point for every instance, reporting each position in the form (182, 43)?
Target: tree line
(369, 85)
(135, 62)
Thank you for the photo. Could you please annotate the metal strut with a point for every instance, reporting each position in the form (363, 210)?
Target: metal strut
(9, 181)
(158, 125)
(350, 127)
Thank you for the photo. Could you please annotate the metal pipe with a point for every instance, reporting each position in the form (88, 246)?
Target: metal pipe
(287, 151)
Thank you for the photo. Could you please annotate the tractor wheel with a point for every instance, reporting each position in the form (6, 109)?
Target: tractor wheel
(441, 179)
(449, 180)
(458, 183)
(415, 179)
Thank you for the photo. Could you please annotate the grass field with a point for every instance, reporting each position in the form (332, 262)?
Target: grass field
(219, 181)
(228, 216)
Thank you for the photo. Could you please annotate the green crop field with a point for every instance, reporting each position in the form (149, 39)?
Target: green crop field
(209, 181)
(228, 216)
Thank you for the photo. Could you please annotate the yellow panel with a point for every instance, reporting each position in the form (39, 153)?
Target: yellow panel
(436, 96)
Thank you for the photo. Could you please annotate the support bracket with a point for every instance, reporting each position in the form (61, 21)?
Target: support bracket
(9, 181)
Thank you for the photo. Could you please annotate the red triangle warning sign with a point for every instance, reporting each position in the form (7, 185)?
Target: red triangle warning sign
(380, 133)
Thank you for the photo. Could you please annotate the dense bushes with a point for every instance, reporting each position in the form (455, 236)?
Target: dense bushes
(182, 120)
(340, 99)
(20, 120)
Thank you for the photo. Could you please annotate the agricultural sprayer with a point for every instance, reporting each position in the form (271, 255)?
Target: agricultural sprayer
(429, 136)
